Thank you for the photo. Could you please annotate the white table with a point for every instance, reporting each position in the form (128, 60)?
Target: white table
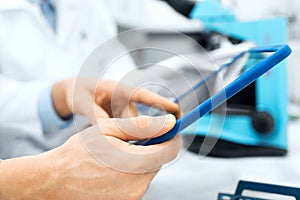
(190, 177)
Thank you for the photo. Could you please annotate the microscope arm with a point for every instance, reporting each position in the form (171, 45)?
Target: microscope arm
(183, 7)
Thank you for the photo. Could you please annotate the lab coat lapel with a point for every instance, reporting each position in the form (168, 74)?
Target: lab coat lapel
(31, 9)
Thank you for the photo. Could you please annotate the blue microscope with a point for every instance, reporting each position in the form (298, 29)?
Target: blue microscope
(256, 118)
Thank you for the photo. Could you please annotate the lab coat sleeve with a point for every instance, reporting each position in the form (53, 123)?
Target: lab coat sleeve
(19, 105)
(51, 122)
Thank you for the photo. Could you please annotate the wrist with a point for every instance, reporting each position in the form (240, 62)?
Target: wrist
(20, 178)
(32, 177)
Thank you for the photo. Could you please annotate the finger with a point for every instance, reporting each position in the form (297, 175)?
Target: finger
(142, 96)
(94, 113)
(178, 114)
(133, 110)
(137, 128)
(148, 158)
(129, 111)
(122, 156)
(152, 99)
(99, 113)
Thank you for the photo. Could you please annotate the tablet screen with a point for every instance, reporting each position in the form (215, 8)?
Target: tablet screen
(190, 85)
(201, 85)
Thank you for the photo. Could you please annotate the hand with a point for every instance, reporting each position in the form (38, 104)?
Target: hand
(104, 99)
(90, 166)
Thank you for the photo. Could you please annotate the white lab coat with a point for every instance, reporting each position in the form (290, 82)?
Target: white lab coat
(32, 56)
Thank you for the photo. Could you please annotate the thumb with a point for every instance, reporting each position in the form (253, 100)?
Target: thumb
(137, 128)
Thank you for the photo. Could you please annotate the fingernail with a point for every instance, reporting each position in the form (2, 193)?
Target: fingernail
(170, 120)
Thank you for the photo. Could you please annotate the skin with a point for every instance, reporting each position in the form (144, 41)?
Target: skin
(104, 99)
(71, 171)
(97, 163)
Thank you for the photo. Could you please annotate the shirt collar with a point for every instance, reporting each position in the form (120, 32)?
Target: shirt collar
(41, 1)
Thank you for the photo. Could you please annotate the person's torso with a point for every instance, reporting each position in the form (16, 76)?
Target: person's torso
(31, 50)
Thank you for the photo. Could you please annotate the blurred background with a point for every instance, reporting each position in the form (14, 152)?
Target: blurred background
(192, 177)
(259, 137)
(152, 13)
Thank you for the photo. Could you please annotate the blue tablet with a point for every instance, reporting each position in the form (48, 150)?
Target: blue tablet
(279, 53)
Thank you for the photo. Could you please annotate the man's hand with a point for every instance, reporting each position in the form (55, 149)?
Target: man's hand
(104, 99)
(97, 163)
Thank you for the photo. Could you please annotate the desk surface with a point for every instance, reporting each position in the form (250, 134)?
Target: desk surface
(191, 177)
